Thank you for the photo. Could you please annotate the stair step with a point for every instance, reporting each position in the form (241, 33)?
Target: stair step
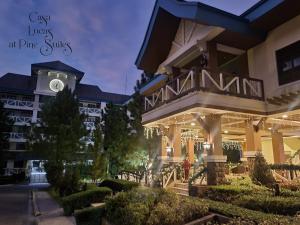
(181, 185)
(181, 191)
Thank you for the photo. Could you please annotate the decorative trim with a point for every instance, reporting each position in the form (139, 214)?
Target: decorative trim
(170, 159)
(216, 158)
(250, 154)
(243, 159)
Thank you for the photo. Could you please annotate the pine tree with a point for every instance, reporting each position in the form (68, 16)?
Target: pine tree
(116, 137)
(5, 127)
(58, 139)
(99, 166)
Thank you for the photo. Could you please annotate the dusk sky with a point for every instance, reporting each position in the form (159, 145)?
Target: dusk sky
(104, 35)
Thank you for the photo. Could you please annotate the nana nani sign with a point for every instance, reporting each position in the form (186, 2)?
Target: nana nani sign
(40, 36)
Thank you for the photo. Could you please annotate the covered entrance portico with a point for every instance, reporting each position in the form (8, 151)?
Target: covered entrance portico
(182, 133)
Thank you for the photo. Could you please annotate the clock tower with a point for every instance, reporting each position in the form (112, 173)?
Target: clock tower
(54, 76)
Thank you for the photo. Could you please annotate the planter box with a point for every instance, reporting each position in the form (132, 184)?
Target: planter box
(213, 217)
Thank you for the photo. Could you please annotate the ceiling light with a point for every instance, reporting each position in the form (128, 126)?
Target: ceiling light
(284, 116)
(226, 131)
(270, 128)
(193, 124)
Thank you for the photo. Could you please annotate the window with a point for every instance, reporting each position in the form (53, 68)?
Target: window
(288, 63)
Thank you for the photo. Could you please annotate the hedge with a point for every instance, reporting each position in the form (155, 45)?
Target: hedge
(153, 207)
(228, 193)
(89, 216)
(230, 210)
(118, 185)
(84, 199)
(6, 180)
(270, 204)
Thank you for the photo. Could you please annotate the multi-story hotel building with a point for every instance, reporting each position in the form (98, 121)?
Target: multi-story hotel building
(23, 96)
(223, 78)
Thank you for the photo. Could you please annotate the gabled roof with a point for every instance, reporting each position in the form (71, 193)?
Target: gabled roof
(57, 65)
(242, 32)
(94, 93)
(17, 83)
(115, 98)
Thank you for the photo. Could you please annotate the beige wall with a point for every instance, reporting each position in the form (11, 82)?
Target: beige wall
(262, 59)
(291, 145)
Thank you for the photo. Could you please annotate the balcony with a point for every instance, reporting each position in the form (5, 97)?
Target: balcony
(89, 125)
(205, 81)
(17, 104)
(21, 119)
(17, 137)
(90, 111)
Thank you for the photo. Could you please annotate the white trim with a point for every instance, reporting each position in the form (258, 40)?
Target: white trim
(216, 158)
(250, 154)
(243, 159)
(229, 49)
(170, 159)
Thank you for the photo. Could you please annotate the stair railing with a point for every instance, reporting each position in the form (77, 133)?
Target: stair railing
(166, 179)
(201, 174)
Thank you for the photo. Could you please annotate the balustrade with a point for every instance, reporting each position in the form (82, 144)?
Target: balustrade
(222, 83)
(16, 135)
(87, 110)
(21, 119)
(17, 103)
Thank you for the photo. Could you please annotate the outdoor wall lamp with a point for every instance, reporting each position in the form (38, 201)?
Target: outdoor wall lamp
(169, 149)
(207, 145)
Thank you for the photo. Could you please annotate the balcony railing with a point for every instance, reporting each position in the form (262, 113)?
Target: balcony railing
(21, 119)
(16, 135)
(225, 84)
(89, 125)
(87, 110)
(17, 103)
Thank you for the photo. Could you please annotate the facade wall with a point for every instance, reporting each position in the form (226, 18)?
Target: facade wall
(262, 58)
(291, 145)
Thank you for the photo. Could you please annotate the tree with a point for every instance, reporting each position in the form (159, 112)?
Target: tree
(116, 131)
(5, 127)
(99, 166)
(58, 139)
(261, 172)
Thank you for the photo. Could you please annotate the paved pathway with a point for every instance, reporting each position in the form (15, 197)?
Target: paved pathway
(52, 214)
(15, 205)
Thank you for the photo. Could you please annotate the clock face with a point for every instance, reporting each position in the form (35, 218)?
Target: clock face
(56, 85)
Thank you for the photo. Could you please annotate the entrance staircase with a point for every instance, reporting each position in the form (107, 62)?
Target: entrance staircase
(181, 189)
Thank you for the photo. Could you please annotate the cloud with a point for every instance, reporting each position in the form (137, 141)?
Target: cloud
(105, 37)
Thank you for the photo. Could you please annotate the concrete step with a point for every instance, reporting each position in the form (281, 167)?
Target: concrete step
(181, 191)
(182, 185)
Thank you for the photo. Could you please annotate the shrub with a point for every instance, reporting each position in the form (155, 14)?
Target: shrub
(122, 205)
(84, 199)
(89, 216)
(270, 204)
(247, 214)
(226, 193)
(54, 172)
(118, 185)
(6, 180)
(261, 172)
(70, 183)
(153, 207)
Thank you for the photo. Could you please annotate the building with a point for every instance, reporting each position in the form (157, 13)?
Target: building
(223, 78)
(23, 96)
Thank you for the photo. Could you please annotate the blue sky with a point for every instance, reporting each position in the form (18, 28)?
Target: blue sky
(105, 36)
